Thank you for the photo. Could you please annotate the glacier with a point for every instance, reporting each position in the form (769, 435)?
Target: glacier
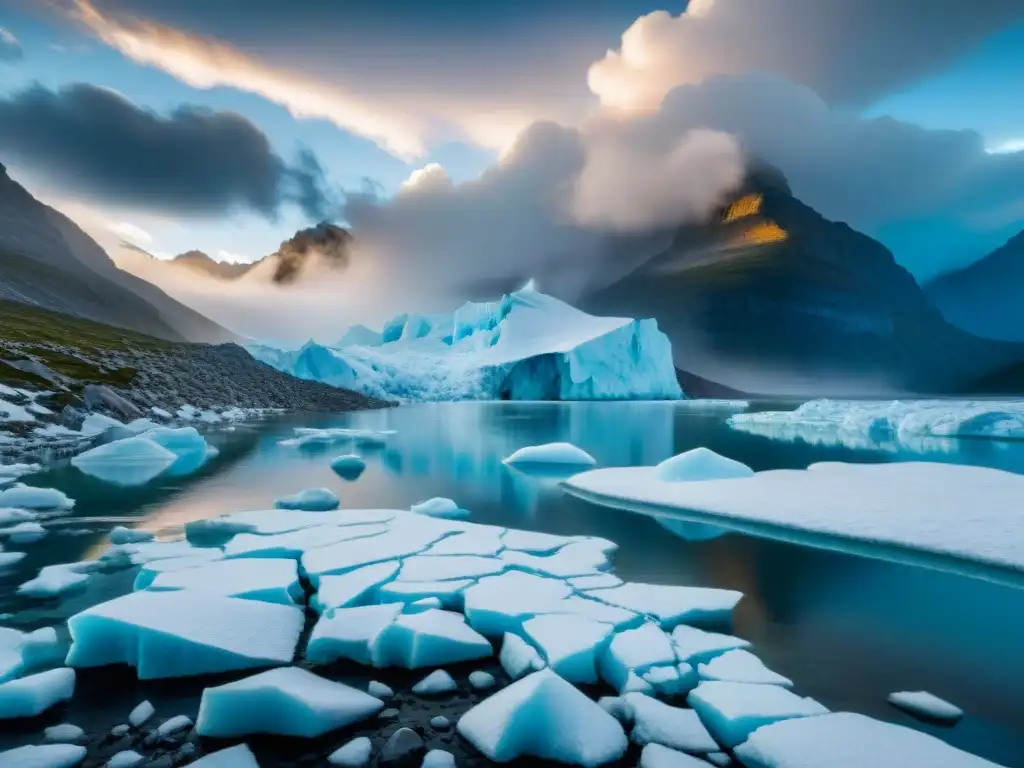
(525, 346)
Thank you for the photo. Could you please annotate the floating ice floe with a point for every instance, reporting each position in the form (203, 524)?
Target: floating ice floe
(349, 466)
(354, 754)
(58, 579)
(39, 499)
(543, 716)
(740, 666)
(834, 740)
(152, 568)
(122, 535)
(97, 423)
(13, 471)
(23, 533)
(438, 507)
(671, 605)
(700, 464)
(926, 705)
(181, 633)
(267, 579)
(288, 701)
(238, 756)
(435, 684)
(732, 711)
(957, 511)
(43, 756)
(34, 694)
(127, 462)
(697, 645)
(310, 500)
(11, 516)
(551, 453)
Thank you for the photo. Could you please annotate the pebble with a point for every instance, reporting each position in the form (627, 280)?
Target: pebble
(388, 714)
(440, 722)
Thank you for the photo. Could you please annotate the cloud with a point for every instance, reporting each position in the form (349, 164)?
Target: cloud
(10, 48)
(849, 51)
(94, 142)
(131, 233)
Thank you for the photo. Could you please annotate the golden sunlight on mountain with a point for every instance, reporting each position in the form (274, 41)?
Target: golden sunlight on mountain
(762, 233)
(748, 205)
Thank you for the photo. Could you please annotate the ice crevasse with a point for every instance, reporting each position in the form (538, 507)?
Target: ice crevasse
(526, 346)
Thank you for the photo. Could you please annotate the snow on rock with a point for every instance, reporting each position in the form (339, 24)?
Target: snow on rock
(518, 657)
(40, 499)
(294, 543)
(843, 740)
(239, 756)
(438, 507)
(655, 722)
(43, 756)
(543, 716)
(697, 645)
(352, 588)
(309, 500)
(185, 632)
(141, 714)
(964, 512)
(349, 633)
(740, 666)
(267, 579)
(428, 638)
(349, 467)
(658, 756)
(122, 535)
(34, 694)
(732, 711)
(65, 733)
(635, 650)
(527, 346)
(127, 462)
(551, 453)
(354, 754)
(57, 579)
(436, 683)
(288, 701)
(671, 605)
(569, 644)
(700, 464)
(96, 423)
(926, 706)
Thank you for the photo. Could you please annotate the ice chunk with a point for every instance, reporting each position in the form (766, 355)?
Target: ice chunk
(428, 639)
(596, 581)
(740, 666)
(700, 464)
(44, 756)
(347, 555)
(152, 569)
(122, 535)
(655, 722)
(434, 684)
(671, 605)
(534, 542)
(56, 580)
(635, 650)
(95, 423)
(671, 680)
(309, 500)
(349, 467)
(580, 558)
(658, 756)
(732, 711)
(543, 716)
(926, 706)
(141, 714)
(481, 680)
(440, 722)
(438, 507)
(173, 725)
(130, 461)
(499, 604)
(34, 694)
(447, 593)
(518, 657)
(551, 453)
(41, 647)
(25, 497)
(267, 579)
(186, 632)
(349, 633)
(65, 733)
(288, 701)
(147, 551)
(449, 567)
(9, 516)
(239, 756)
(569, 644)
(696, 645)
(845, 739)
(294, 543)
(354, 587)
(355, 754)
(476, 541)
(380, 690)
(23, 533)
(438, 758)
(125, 759)
(8, 559)
(721, 759)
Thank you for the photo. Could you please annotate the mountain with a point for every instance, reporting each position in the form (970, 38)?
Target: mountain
(986, 297)
(46, 260)
(771, 297)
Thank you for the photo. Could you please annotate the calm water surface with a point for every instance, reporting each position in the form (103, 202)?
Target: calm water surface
(847, 629)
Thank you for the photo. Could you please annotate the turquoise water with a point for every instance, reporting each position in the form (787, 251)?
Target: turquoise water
(847, 629)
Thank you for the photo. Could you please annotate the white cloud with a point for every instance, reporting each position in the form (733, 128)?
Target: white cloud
(1002, 148)
(131, 232)
(10, 48)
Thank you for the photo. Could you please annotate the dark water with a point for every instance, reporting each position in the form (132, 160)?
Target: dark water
(848, 629)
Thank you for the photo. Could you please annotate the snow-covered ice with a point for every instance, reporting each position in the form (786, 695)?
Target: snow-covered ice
(579, 558)
(499, 604)
(569, 644)
(596, 581)
(926, 705)
(238, 756)
(96, 423)
(671, 605)
(65, 733)
(438, 758)
(57, 579)
(272, 580)
(658, 756)
(40, 499)
(127, 462)
(732, 711)
(436, 683)
(846, 740)
(551, 453)
(635, 650)
(122, 535)
(294, 543)
(655, 722)
(287, 701)
(34, 694)
(43, 756)
(475, 541)
(126, 758)
(534, 542)
(543, 716)
(309, 500)
(700, 464)
(696, 645)
(740, 666)
(452, 567)
(349, 633)
(23, 533)
(399, 541)
(352, 588)
(447, 593)
(518, 657)
(670, 680)
(428, 638)
(438, 507)
(354, 754)
(142, 712)
(185, 632)
(379, 689)
(481, 680)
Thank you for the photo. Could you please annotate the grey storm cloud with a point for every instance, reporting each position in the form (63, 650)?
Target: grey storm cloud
(10, 48)
(195, 161)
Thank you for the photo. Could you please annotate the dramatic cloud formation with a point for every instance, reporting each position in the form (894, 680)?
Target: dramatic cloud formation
(93, 141)
(10, 48)
(848, 51)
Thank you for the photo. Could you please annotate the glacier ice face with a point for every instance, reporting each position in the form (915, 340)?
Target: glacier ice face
(527, 346)
(732, 711)
(288, 701)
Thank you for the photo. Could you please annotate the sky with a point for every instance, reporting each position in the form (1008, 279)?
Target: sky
(544, 126)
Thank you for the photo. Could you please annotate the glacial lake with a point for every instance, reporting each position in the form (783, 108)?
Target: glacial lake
(848, 629)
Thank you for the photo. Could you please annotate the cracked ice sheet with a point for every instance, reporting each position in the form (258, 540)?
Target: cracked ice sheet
(272, 521)
(294, 543)
(580, 558)
(272, 580)
(399, 541)
(952, 510)
(449, 567)
(671, 605)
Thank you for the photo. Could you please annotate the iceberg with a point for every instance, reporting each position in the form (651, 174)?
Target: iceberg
(348, 467)
(43, 756)
(185, 632)
(122, 535)
(926, 706)
(740, 666)
(127, 462)
(843, 740)
(57, 579)
(309, 500)
(551, 453)
(287, 701)
(32, 695)
(733, 711)
(700, 464)
(543, 716)
(23, 533)
(526, 346)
